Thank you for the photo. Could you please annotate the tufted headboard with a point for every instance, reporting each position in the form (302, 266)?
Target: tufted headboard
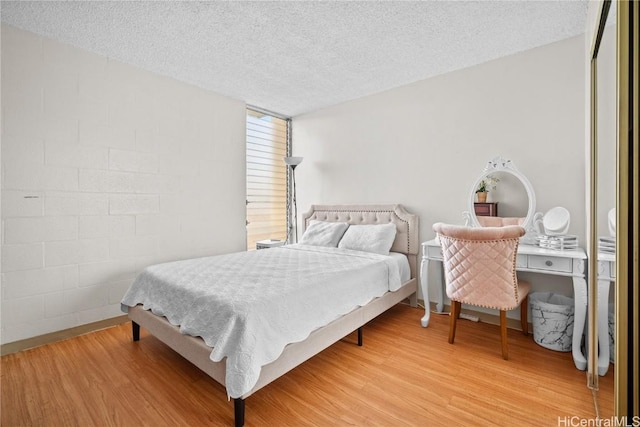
(407, 236)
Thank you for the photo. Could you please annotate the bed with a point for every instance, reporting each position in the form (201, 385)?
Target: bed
(235, 370)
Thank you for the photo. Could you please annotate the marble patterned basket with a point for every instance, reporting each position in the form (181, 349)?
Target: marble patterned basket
(612, 328)
(552, 317)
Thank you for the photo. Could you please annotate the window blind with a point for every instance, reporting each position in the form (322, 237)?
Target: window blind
(267, 144)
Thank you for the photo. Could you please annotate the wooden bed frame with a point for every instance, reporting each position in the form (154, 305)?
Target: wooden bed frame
(197, 352)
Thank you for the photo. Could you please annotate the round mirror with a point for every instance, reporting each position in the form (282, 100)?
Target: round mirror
(510, 194)
(513, 193)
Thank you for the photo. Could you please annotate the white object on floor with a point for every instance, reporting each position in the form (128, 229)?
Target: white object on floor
(469, 317)
(552, 319)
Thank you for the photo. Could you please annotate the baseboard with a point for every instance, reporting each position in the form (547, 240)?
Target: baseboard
(16, 346)
(492, 319)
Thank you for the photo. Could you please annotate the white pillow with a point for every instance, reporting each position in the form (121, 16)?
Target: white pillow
(369, 238)
(323, 233)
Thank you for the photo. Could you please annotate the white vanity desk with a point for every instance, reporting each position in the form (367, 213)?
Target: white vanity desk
(570, 263)
(531, 258)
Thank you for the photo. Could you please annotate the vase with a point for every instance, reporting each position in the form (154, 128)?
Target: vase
(482, 196)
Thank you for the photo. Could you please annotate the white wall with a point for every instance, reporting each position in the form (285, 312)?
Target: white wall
(106, 169)
(424, 144)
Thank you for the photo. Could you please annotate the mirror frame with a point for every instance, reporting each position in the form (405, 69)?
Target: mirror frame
(627, 296)
(499, 164)
(592, 248)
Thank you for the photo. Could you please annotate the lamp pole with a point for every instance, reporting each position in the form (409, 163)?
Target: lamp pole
(295, 203)
(293, 162)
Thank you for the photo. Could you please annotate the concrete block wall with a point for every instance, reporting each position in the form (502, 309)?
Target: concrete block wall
(106, 169)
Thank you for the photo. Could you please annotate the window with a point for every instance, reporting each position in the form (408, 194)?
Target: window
(267, 144)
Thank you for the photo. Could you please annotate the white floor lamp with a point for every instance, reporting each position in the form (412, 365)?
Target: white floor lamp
(292, 162)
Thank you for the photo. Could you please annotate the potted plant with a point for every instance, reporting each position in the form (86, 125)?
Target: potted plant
(487, 183)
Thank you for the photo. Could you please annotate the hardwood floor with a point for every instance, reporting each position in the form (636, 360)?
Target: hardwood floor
(405, 375)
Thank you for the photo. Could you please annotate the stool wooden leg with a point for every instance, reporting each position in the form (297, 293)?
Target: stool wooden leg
(524, 312)
(503, 334)
(453, 319)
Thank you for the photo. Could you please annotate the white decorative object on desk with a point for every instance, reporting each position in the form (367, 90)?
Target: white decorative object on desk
(607, 244)
(560, 243)
(556, 221)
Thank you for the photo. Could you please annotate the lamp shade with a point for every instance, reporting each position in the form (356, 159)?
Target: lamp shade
(292, 161)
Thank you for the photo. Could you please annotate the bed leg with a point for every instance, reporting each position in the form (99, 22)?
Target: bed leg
(238, 410)
(360, 337)
(413, 300)
(135, 330)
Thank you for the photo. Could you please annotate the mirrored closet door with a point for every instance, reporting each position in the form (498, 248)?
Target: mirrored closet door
(613, 207)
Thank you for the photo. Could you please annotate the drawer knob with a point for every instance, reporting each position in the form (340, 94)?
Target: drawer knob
(548, 263)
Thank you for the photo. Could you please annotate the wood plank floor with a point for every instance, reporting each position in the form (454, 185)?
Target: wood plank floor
(405, 375)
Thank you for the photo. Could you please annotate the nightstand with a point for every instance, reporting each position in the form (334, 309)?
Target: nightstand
(486, 209)
(271, 243)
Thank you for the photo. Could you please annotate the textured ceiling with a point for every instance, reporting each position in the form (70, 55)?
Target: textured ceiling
(296, 57)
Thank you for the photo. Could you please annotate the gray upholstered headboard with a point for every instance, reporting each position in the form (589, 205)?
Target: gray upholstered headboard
(407, 224)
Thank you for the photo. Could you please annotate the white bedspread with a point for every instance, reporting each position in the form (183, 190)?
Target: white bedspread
(248, 306)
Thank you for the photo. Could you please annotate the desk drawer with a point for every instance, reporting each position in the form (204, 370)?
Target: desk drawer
(606, 269)
(540, 262)
(521, 261)
(435, 252)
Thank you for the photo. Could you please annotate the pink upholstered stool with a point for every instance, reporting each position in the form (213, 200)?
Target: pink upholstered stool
(480, 269)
